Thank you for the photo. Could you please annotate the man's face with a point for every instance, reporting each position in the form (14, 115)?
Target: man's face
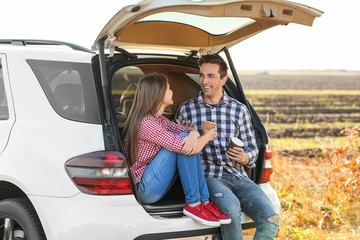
(210, 81)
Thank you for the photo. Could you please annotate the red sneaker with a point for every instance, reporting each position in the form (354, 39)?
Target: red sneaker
(201, 215)
(223, 219)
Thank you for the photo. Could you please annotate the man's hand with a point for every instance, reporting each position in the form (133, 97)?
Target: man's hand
(238, 155)
(209, 133)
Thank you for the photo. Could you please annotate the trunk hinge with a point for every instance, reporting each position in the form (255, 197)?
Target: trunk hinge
(104, 82)
(111, 138)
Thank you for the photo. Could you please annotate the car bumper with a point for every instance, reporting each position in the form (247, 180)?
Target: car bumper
(109, 217)
(271, 193)
(119, 217)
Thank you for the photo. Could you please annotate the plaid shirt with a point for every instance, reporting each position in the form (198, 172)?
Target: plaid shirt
(156, 132)
(232, 119)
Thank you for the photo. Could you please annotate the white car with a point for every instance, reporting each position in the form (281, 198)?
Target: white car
(62, 108)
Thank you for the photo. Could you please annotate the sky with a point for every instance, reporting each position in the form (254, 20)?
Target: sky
(331, 43)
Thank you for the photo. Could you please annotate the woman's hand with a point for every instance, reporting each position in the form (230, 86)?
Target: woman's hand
(238, 155)
(190, 142)
(186, 124)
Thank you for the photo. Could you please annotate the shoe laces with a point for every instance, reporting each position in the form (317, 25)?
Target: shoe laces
(202, 208)
(213, 209)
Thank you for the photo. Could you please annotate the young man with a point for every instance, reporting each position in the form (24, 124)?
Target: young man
(229, 186)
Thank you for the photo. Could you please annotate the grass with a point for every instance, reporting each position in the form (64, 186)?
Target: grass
(266, 92)
(307, 143)
(341, 125)
(320, 197)
(317, 179)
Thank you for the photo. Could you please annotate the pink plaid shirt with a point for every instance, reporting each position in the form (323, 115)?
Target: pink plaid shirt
(156, 132)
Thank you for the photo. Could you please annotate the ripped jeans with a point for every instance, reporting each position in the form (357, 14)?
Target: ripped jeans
(233, 195)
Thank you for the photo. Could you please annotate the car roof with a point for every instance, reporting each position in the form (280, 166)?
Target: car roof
(195, 25)
(45, 50)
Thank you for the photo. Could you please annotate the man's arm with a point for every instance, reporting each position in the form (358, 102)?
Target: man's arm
(249, 153)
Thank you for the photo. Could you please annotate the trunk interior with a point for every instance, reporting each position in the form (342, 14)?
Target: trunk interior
(124, 73)
(181, 76)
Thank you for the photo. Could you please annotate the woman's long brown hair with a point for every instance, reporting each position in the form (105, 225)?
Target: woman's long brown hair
(148, 98)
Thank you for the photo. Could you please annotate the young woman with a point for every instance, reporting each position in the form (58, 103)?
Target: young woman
(160, 149)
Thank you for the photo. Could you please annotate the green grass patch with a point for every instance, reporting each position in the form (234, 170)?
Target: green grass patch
(341, 125)
(307, 143)
(300, 92)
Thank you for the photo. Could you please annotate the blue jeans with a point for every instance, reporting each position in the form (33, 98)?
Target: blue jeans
(233, 195)
(162, 172)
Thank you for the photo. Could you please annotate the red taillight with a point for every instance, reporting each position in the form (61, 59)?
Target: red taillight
(268, 153)
(268, 169)
(103, 173)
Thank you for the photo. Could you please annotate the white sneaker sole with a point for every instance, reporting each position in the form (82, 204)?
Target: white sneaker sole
(200, 220)
(225, 221)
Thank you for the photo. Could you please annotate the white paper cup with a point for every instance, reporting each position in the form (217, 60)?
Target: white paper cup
(235, 142)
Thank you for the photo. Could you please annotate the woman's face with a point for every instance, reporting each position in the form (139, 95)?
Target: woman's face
(168, 96)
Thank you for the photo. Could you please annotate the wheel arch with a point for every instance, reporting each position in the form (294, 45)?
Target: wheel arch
(10, 190)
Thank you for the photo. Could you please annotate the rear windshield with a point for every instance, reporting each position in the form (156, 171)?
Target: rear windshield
(212, 25)
(70, 88)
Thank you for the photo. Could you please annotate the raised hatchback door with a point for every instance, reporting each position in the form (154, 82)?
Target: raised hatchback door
(195, 25)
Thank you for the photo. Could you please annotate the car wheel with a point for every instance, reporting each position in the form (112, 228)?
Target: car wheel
(19, 221)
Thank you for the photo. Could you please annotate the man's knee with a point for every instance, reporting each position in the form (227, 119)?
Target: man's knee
(274, 219)
(269, 228)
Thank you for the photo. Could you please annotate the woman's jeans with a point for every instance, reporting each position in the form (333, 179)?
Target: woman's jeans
(162, 172)
(233, 195)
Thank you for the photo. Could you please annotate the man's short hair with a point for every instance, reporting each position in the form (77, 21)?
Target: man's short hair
(216, 59)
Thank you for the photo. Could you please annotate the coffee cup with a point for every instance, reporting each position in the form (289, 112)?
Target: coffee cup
(209, 125)
(235, 142)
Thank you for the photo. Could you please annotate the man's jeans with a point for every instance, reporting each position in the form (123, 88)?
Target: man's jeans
(233, 195)
(161, 174)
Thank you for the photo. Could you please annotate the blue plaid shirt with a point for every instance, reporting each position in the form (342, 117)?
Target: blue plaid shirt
(232, 119)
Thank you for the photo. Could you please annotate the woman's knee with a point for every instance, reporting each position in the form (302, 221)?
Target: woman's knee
(183, 134)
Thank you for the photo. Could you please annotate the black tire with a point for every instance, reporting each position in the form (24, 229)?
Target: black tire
(18, 219)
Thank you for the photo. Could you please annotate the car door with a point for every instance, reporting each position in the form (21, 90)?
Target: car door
(7, 116)
(203, 26)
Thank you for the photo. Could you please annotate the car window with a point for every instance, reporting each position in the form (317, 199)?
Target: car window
(212, 25)
(123, 87)
(183, 81)
(4, 112)
(194, 76)
(70, 89)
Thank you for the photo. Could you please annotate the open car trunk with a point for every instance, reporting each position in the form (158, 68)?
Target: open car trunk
(124, 72)
(190, 28)
(124, 75)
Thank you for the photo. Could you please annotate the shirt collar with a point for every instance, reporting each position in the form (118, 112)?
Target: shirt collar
(224, 100)
(156, 115)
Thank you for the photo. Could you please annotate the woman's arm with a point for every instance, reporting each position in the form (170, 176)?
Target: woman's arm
(190, 142)
(200, 143)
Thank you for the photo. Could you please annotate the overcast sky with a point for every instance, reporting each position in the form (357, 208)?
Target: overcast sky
(331, 43)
